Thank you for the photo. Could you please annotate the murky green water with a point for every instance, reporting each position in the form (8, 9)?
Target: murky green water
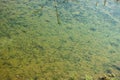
(63, 40)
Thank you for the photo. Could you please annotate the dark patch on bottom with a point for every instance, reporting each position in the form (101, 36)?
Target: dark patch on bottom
(116, 67)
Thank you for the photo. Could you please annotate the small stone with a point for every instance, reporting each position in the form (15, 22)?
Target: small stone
(111, 75)
(17, 76)
(105, 77)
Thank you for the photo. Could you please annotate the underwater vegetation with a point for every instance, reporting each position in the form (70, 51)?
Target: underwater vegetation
(59, 40)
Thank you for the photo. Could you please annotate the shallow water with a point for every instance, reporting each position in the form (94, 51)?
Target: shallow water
(71, 40)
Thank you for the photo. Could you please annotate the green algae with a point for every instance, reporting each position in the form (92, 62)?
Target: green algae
(33, 46)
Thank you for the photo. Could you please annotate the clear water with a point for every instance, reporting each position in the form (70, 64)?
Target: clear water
(62, 40)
